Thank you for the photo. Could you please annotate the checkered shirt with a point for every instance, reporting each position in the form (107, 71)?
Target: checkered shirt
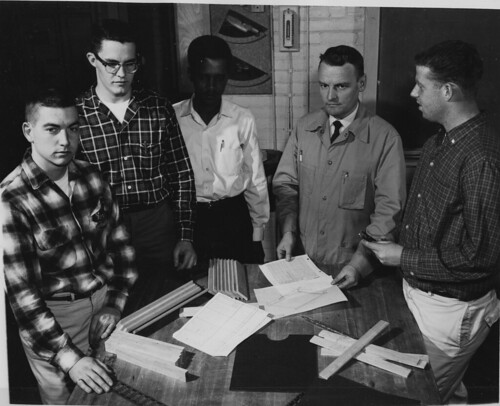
(144, 158)
(451, 226)
(53, 244)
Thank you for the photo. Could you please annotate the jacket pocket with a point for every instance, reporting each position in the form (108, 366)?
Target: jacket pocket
(352, 191)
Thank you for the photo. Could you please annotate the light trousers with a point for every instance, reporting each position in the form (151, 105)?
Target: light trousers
(74, 318)
(453, 330)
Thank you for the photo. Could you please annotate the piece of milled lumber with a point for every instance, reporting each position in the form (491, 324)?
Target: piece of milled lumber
(354, 349)
(414, 360)
(370, 359)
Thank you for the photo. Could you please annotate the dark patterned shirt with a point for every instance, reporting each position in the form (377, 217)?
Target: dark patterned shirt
(451, 226)
(53, 243)
(144, 158)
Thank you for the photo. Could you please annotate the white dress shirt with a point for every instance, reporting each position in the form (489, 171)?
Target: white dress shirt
(226, 158)
(346, 121)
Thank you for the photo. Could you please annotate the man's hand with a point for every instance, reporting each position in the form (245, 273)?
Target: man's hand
(184, 255)
(348, 277)
(388, 253)
(102, 325)
(90, 374)
(286, 245)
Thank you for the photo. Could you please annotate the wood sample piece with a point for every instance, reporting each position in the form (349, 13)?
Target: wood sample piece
(354, 349)
(147, 353)
(166, 304)
(228, 276)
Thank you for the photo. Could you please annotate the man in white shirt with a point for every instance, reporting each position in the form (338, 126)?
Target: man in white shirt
(231, 188)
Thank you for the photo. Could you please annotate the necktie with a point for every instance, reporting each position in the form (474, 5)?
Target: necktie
(337, 124)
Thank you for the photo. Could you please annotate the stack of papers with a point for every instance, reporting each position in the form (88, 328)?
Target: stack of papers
(298, 286)
(221, 325)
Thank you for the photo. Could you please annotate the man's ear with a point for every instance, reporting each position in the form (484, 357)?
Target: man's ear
(451, 91)
(91, 58)
(27, 131)
(362, 83)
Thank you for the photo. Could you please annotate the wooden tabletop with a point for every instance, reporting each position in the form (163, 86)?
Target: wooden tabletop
(377, 298)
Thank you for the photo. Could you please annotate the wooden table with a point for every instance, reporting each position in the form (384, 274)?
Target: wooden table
(377, 298)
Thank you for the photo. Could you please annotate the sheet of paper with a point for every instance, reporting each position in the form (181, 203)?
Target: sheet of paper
(297, 301)
(282, 272)
(221, 325)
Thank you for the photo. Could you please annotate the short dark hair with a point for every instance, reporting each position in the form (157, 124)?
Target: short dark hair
(453, 61)
(47, 97)
(208, 46)
(342, 54)
(112, 30)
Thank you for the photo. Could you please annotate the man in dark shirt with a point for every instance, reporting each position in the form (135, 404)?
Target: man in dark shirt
(449, 245)
(133, 137)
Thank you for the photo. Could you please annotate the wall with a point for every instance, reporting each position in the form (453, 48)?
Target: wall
(295, 79)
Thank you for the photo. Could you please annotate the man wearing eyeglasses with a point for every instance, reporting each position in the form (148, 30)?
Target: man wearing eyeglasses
(133, 136)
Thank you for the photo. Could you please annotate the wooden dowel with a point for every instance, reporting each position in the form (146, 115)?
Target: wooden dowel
(354, 349)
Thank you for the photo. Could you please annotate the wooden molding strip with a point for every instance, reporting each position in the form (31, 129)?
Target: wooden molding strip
(363, 357)
(160, 307)
(140, 327)
(354, 349)
(228, 276)
(414, 360)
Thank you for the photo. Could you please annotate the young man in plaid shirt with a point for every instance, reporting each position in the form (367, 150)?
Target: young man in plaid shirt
(133, 137)
(67, 260)
(449, 247)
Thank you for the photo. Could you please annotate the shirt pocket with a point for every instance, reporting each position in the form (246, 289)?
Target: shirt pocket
(306, 179)
(228, 157)
(352, 191)
(55, 249)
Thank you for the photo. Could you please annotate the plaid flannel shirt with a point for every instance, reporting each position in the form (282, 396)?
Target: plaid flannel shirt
(53, 244)
(451, 226)
(144, 158)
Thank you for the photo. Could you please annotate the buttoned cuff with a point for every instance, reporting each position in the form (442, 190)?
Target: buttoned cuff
(409, 260)
(258, 234)
(187, 235)
(67, 357)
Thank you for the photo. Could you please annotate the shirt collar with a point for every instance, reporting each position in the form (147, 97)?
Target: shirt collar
(93, 101)
(346, 121)
(37, 177)
(188, 109)
(357, 127)
(459, 132)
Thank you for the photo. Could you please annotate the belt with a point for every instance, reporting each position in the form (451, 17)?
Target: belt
(70, 296)
(138, 207)
(221, 202)
(210, 204)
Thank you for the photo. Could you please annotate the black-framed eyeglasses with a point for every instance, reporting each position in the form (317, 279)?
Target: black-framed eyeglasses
(113, 67)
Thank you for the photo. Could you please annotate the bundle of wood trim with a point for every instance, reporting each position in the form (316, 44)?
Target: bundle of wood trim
(228, 276)
(335, 344)
(166, 304)
(147, 353)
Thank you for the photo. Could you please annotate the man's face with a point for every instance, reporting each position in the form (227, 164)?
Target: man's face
(115, 86)
(428, 94)
(54, 135)
(209, 82)
(340, 87)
